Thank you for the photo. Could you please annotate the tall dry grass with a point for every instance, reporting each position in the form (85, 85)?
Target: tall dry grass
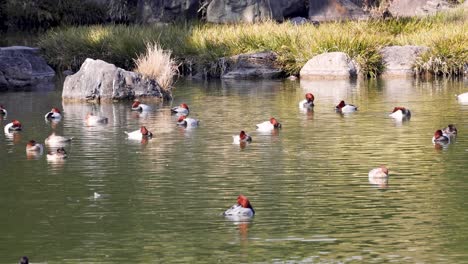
(157, 64)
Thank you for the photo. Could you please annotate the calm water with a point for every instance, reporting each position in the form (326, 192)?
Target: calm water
(161, 200)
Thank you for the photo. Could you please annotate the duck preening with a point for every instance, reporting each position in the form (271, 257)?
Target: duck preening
(400, 113)
(342, 107)
(182, 109)
(138, 106)
(187, 121)
(308, 102)
(268, 126)
(53, 114)
(242, 138)
(14, 125)
(60, 154)
(241, 208)
(142, 133)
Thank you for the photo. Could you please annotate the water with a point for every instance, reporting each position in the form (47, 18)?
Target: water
(161, 200)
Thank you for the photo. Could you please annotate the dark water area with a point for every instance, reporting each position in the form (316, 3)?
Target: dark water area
(161, 201)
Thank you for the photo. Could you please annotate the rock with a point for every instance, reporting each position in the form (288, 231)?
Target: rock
(151, 11)
(332, 65)
(252, 66)
(332, 10)
(400, 60)
(98, 80)
(22, 67)
(406, 8)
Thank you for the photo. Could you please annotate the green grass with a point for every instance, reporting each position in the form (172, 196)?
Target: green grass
(445, 34)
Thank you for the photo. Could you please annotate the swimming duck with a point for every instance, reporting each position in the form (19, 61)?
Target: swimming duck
(15, 125)
(187, 121)
(440, 137)
(182, 109)
(60, 154)
(450, 130)
(92, 120)
(138, 106)
(54, 139)
(97, 195)
(3, 111)
(268, 126)
(462, 98)
(400, 113)
(308, 102)
(140, 134)
(53, 114)
(342, 107)
(241, 138)
(379, 176)
(33, 146)
(241, 208)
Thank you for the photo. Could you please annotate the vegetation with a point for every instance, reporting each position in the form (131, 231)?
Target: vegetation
(201, 44)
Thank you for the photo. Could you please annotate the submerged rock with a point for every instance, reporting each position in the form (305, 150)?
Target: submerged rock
(22, 67)
(262, 65)
(331, 65)
(400, 60)
(98, 81)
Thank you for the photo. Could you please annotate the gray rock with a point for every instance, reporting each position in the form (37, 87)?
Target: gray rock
(400, 60)
(22, 67)
(98, 80)
(151, 11)
(405, 8)
(332, 10)
(252, 66)
(332, 65)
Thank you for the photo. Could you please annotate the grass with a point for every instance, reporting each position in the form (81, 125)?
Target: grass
(200, 45)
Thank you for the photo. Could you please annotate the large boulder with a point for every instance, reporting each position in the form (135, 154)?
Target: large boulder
(400, 60)
(22, 67)
(261, 65)
(98, 81)
(406, 8)
(331, 65)
(150, 11)
(333, 10)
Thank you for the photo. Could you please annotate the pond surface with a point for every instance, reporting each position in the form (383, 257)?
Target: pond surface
(161, 201)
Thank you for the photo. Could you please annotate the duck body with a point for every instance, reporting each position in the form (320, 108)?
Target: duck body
(440, 137)
(187, 121)
(137, 106)
(60, 154)
(182, 109)
(54, 139)
(242, 208)
(53, 114)
(33, 146)
(342, 107)
(308, 102)
(268, 126)
(400, 113)
(139, 134)
(92, 120)
(462, 98)
(379, 176)
(242, 138)
(15, 125)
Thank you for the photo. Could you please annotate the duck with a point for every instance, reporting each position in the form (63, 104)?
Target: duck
(139, 134)
(53, 114)
(33, 146)
(400, 113)
(462, 98)
(182, 109)
(308, 102)
(15, 125)
(138, 106)
(97, 195)
(3, 111)
(342, 107)
(379, 176)
(450, 130)
(54, 139)
(440, 137)
(93, 120)
(60, 154)
(242, 138)
(242, 208)
(187, 121)
(268, 126)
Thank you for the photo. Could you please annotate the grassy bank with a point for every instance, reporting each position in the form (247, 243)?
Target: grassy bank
(446, 35)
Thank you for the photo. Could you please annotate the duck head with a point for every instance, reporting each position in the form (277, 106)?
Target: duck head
(145, 131)
(184, 106)
(135, 104)
(399, 108)
(242, 135)
(16, 124)
(244, 202)
(341, 105)
(309, 97)
(181, 121)
(275, 122)
(384, 169)
(438, 134)
(55, 110)
(31, 143)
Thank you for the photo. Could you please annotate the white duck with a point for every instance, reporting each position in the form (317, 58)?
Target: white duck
(15, 125)
(33, 146)
(462, 98)
(60, 154)
(440, 137)
(379, 176)
(242, 208)
(56, 140)
(139, 134)
(450, 130)
(138, 106)
(400, 113)
(241, 138)
(307, 103)
(342, 107)
(53, 114)
(182, 109)
(93, 120)
(187, 121)
(268, 126)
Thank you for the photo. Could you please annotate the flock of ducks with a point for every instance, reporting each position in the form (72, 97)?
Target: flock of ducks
(243, 208)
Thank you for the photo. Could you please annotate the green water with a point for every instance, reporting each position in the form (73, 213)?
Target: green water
(162, 200)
